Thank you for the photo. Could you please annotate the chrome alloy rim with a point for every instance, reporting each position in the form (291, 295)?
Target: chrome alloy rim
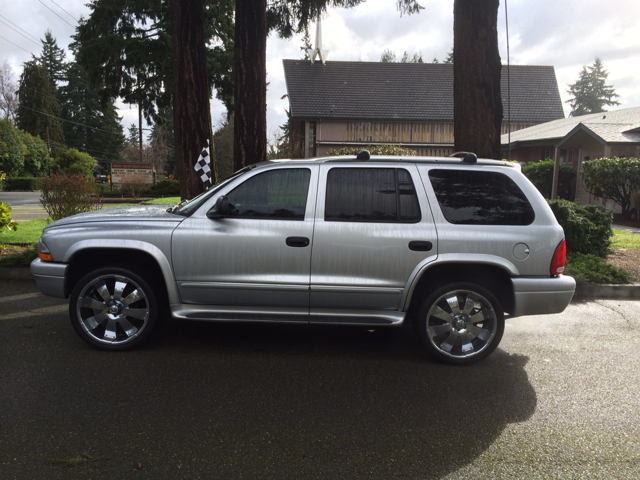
(461, 324)
(113, 309)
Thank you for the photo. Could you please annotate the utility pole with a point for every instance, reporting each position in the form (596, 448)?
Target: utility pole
(140, 129)
(49, 150)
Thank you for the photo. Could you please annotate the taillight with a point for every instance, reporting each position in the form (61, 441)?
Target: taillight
(557, 262)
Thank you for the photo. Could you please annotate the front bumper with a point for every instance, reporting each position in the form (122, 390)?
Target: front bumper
(51, 278)
(538, 296)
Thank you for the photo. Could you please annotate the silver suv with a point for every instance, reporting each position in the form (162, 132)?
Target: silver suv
(451, 244)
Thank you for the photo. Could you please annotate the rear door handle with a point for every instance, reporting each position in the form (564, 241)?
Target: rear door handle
(420, 246)
(297, 241)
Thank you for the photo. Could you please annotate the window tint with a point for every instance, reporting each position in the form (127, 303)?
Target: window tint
(471, 197)
(277, 194)
(371, 195)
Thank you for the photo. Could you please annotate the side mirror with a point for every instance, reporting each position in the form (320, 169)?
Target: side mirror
(220, 209)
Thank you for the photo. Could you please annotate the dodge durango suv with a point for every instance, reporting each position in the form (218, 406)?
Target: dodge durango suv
(449, 244)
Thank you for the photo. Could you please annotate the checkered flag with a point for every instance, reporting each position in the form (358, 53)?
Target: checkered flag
(202, 168)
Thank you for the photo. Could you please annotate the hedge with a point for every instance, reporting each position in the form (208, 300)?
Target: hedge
(587, 228)
(21, 184)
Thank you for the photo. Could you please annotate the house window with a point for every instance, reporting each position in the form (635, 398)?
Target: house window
(312, 139)
(566, 156)
(547, 153)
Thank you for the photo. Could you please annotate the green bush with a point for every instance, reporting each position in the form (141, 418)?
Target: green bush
(593, 269)
(134, 185)
(613, 178)
(66, 195)
(165, 187)
(587, 228)
(73, 162)
(21, 184)
(376, 150)
(5, 218)
(541, 175)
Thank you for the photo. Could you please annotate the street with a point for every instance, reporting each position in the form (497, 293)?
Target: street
(559, 399)
(24, 205)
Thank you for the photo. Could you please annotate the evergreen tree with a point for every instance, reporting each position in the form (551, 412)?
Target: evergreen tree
(38, 109)
(388, 56)
(89, 125)
(286, 18)
(52, 58)
(590, 92)
(477, 100)
(449, 58)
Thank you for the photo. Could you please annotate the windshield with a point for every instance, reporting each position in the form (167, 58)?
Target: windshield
(187, 207)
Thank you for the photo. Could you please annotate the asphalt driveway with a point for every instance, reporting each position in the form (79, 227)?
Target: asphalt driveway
(559, 399)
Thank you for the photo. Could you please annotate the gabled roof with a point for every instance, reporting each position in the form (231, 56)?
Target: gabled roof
(617, 126)
(408, 91)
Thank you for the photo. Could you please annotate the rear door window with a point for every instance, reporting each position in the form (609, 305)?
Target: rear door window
(472, 197)
(380, 195)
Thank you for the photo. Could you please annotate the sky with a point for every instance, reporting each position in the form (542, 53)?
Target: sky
(566, 34)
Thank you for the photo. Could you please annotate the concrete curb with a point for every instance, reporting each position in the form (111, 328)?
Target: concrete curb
(584, 291)
(588, 291)
(15, 273)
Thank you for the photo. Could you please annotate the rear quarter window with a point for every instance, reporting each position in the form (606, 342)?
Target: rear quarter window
(472, 197)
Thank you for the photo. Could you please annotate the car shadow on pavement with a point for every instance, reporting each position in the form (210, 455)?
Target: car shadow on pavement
(249, 400)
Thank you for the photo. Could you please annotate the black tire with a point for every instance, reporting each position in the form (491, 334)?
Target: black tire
(113, 308)
(460, 323)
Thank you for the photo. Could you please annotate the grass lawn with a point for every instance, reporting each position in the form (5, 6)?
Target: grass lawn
(626, 240)
(28, 232)
(163, 201)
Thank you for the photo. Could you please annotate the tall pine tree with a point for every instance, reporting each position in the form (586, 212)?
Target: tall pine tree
(590, 92)
(89, 124)
(477, 100)
(52, 58)
(38, 108)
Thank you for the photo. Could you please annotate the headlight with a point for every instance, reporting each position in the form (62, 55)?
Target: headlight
(43, 252)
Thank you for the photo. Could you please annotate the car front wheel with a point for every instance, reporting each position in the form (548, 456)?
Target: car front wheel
(113, 308)
(460, 323)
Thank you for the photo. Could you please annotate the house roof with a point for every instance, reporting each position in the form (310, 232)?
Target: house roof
(617, 126)
(408, 91)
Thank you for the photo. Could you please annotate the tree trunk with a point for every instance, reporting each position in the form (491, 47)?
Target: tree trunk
(477, 103)
(191, 113)
(250, 71)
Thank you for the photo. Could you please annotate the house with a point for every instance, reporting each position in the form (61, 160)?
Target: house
(576, 139)
(353, 104)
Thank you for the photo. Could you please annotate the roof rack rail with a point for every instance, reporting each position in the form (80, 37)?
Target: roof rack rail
(467, 157)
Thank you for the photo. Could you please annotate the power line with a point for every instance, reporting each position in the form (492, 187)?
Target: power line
(15, 45)
(33, 39)
(72, 26)
(69, 121)
(74, 18)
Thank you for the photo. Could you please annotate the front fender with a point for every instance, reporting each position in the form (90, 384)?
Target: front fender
(155, 252)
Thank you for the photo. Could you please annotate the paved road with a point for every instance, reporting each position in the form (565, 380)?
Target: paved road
(559, 399)
(24, 205)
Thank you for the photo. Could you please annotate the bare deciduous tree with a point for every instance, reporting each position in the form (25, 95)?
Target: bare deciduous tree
(8, 93)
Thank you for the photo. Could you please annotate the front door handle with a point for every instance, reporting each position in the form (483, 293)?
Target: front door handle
(297, 241)
(420, 246)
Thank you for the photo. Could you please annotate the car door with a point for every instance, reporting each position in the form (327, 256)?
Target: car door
(257, 255)
(373, 228)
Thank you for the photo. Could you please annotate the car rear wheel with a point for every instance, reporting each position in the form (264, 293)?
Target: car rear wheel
(460, 323)
(113, 308)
